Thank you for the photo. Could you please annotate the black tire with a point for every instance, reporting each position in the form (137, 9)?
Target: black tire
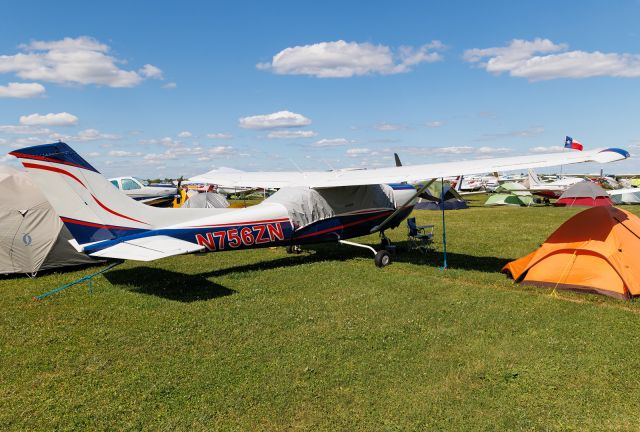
(294, 249)
(382, 259)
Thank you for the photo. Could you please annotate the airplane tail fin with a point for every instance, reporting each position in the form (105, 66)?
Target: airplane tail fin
(533, 179)
(88, 204)
(458, 187)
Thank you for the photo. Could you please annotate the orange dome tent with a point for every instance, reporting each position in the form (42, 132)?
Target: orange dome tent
(597, 250)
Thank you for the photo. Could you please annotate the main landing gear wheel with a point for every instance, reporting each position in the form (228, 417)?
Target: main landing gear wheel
(294, 249)
(382, 259)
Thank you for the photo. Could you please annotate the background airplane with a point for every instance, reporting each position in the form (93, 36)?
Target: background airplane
(141, 190)
(549, 189)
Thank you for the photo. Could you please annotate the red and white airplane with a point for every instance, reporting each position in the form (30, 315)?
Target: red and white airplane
(549, 189)
(311, 207)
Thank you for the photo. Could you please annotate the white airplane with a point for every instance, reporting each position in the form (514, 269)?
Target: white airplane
(549, 189)
(141, 190)
(310, 207)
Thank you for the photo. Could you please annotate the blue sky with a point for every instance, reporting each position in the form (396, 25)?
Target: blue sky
(156, 89)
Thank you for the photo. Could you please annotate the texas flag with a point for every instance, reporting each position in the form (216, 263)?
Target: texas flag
(572, 144)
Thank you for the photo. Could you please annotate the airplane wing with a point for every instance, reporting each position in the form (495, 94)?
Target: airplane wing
(409, 174)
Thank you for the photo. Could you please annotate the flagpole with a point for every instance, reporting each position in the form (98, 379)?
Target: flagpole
(444, 226)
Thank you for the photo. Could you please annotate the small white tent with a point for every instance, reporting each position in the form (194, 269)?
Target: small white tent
(32, 236)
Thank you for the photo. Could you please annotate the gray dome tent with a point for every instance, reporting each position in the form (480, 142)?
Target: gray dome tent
(206, 200)
(32, 236)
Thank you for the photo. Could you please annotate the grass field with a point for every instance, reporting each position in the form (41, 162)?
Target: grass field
(260, 340)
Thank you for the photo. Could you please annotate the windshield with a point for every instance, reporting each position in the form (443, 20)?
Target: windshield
(143, 182)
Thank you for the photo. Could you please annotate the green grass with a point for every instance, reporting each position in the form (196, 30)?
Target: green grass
(260, 340)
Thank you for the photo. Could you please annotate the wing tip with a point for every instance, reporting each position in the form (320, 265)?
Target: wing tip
(622, 152)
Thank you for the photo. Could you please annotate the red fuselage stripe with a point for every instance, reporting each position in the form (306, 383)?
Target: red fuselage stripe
(54, 169)
(115, 212)
(67, 173)
(94, 225)
(347, 225)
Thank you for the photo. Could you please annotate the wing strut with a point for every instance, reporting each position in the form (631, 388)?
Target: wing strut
(384, 223)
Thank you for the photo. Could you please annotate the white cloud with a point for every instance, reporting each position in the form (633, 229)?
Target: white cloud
(123, 153)
(28, 141)
(218, 150)
(523, 133)
(21, 90)
(384, 126)
(430, 151)
(434, 124)
(492, 150)
(342, 59)
(286, 134)
(92, 154)
(84, 135)
(332, 142)
(94, 135)
(82, 61)
(219, 136)
(453, 150)
(355, 152)
(51, 119)
(151, 71)
(23, 130)
(200, 153)
(170, 85)
(550, 149)
(165, 141)
(280, 119)
(169, 142)
(185, 134)
(542, 59)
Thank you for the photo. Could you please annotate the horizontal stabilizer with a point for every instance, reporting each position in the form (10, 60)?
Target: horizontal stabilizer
(148, 248)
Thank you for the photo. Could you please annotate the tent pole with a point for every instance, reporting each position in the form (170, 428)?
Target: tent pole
(444, 226)
(82, 279)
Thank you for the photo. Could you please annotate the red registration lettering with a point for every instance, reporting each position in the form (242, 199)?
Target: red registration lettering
(260, 236)
(220, 235)
(234, 238)
(275, 232)
(247, 236)
(206, 241)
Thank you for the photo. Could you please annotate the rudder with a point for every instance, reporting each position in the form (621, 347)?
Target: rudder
(88, 204)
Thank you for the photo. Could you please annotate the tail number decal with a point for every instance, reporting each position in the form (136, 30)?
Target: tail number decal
(246, 236)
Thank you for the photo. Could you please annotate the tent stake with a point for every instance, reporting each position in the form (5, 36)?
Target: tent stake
(82, 279)
(444, 226)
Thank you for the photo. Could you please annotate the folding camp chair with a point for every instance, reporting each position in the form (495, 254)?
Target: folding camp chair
(420, 237)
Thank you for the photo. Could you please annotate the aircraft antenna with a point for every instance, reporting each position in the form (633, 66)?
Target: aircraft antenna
(328, 164)
(296, 165)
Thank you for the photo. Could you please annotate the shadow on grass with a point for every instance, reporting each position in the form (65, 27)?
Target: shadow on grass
(455, 260)
(336, 252)
(189, 288)
(167, 284)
